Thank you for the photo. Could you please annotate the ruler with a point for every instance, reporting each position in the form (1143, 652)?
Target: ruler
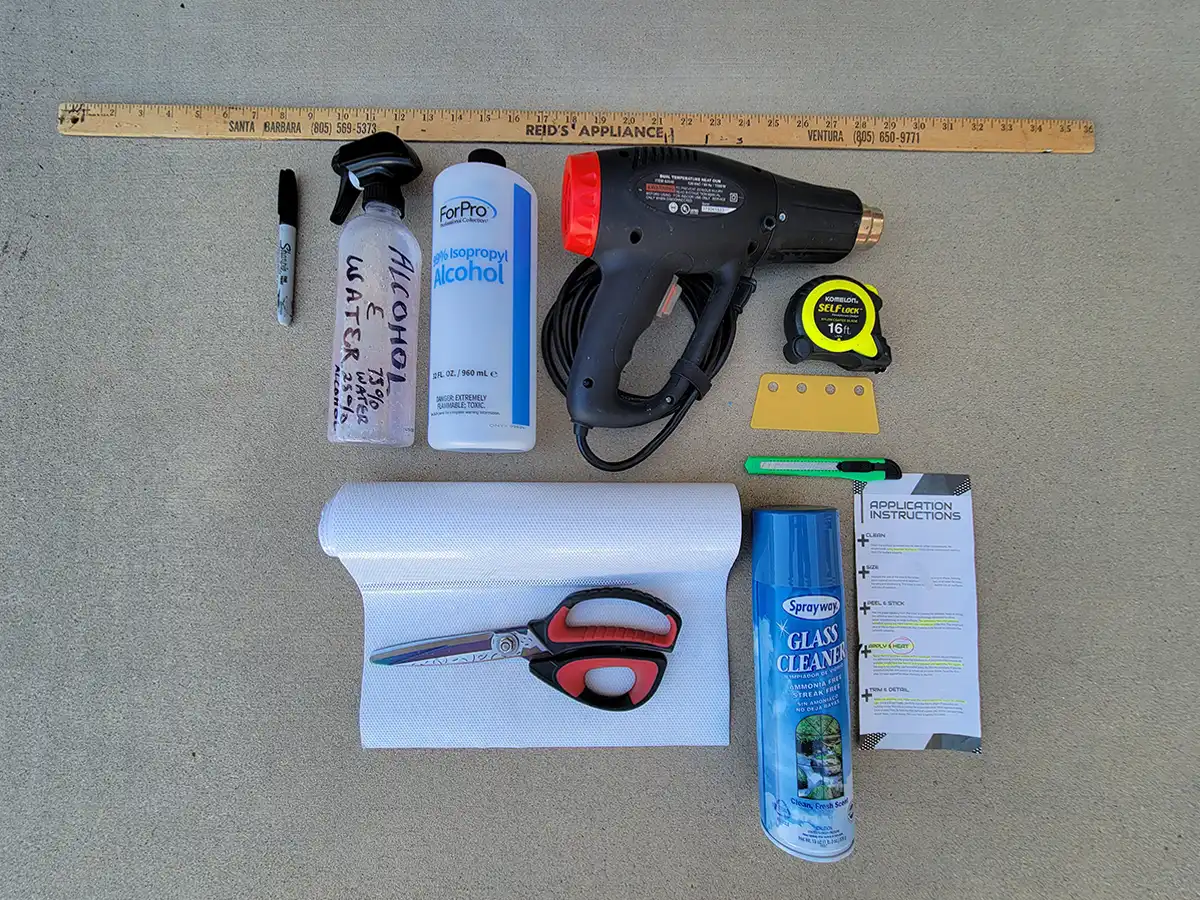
(500, 126)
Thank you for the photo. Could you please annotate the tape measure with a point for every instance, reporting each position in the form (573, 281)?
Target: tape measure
(836, 319)
(500, 126)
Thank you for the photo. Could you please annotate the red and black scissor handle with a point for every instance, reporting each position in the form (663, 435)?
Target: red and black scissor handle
(557, 636)
(567, 672)
(576, 650)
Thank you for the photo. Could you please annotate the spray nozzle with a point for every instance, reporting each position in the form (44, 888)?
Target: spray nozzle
(377, 166)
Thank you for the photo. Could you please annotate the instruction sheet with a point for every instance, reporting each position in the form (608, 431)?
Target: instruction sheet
(918, 624)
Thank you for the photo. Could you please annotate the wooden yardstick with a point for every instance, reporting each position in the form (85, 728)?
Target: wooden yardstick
(500, 126)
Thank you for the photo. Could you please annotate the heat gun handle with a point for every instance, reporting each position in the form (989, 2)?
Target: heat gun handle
(624, 307)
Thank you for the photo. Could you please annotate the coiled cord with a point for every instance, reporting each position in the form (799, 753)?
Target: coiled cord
(563, 328)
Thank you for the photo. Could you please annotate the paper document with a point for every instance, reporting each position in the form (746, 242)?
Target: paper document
(918, 626)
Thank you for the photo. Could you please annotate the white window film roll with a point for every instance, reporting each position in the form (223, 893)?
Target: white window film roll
(440, 559)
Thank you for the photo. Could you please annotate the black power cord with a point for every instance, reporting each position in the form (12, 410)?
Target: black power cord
(563, 328)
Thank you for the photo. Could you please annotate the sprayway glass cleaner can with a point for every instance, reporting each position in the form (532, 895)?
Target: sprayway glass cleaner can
(483, 308)
(805, 788)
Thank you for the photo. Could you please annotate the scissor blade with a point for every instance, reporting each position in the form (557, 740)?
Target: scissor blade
(482, 646)
(434, 651)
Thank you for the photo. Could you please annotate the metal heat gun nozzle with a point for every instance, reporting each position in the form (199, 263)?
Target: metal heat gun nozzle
(870, 228)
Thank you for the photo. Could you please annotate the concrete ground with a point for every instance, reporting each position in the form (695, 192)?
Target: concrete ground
(179, 663)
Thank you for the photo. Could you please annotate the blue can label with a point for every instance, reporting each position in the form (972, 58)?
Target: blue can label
(804, 721)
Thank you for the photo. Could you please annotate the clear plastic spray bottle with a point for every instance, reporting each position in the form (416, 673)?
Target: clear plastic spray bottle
(373, 388)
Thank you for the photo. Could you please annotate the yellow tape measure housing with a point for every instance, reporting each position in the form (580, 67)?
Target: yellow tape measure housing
(836, 319)
(836, 132)
(859, 340)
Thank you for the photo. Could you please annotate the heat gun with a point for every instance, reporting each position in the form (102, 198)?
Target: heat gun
(667, 223)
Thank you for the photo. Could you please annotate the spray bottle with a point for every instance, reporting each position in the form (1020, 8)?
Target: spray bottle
(482, 308)
(373, 390)
(803, 696)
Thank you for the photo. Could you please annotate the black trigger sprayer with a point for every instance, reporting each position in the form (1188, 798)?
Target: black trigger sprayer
(377, 166)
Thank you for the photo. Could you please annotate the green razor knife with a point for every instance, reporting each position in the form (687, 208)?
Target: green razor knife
(824, 467)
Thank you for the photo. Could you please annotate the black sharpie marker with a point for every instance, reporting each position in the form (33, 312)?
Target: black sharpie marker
(285, 268)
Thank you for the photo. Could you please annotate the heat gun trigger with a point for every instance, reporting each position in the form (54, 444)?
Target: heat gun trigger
(741, 296)
(668, 301)
(712, 337)
(697, 375)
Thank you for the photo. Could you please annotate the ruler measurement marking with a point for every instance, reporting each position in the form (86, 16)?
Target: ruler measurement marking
(785, 130)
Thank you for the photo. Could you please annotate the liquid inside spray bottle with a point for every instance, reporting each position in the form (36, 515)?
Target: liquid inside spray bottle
(373, 387)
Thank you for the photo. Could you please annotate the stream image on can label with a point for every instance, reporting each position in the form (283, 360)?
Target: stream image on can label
(819, 758)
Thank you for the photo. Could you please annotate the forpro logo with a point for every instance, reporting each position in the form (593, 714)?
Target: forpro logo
(812, 608)
(466, 209)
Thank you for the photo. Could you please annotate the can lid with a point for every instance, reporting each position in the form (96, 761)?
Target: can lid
(797, 547)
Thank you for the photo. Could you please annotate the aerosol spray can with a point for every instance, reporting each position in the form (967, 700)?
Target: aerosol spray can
(483, 307)
(803, 699)
(373, 388)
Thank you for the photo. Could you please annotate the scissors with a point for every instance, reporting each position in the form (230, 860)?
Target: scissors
(560, 654)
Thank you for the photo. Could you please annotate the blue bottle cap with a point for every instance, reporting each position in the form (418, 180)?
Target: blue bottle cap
(797, 547)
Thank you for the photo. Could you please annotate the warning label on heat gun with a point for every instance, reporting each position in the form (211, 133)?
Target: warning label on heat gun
(682, 194)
